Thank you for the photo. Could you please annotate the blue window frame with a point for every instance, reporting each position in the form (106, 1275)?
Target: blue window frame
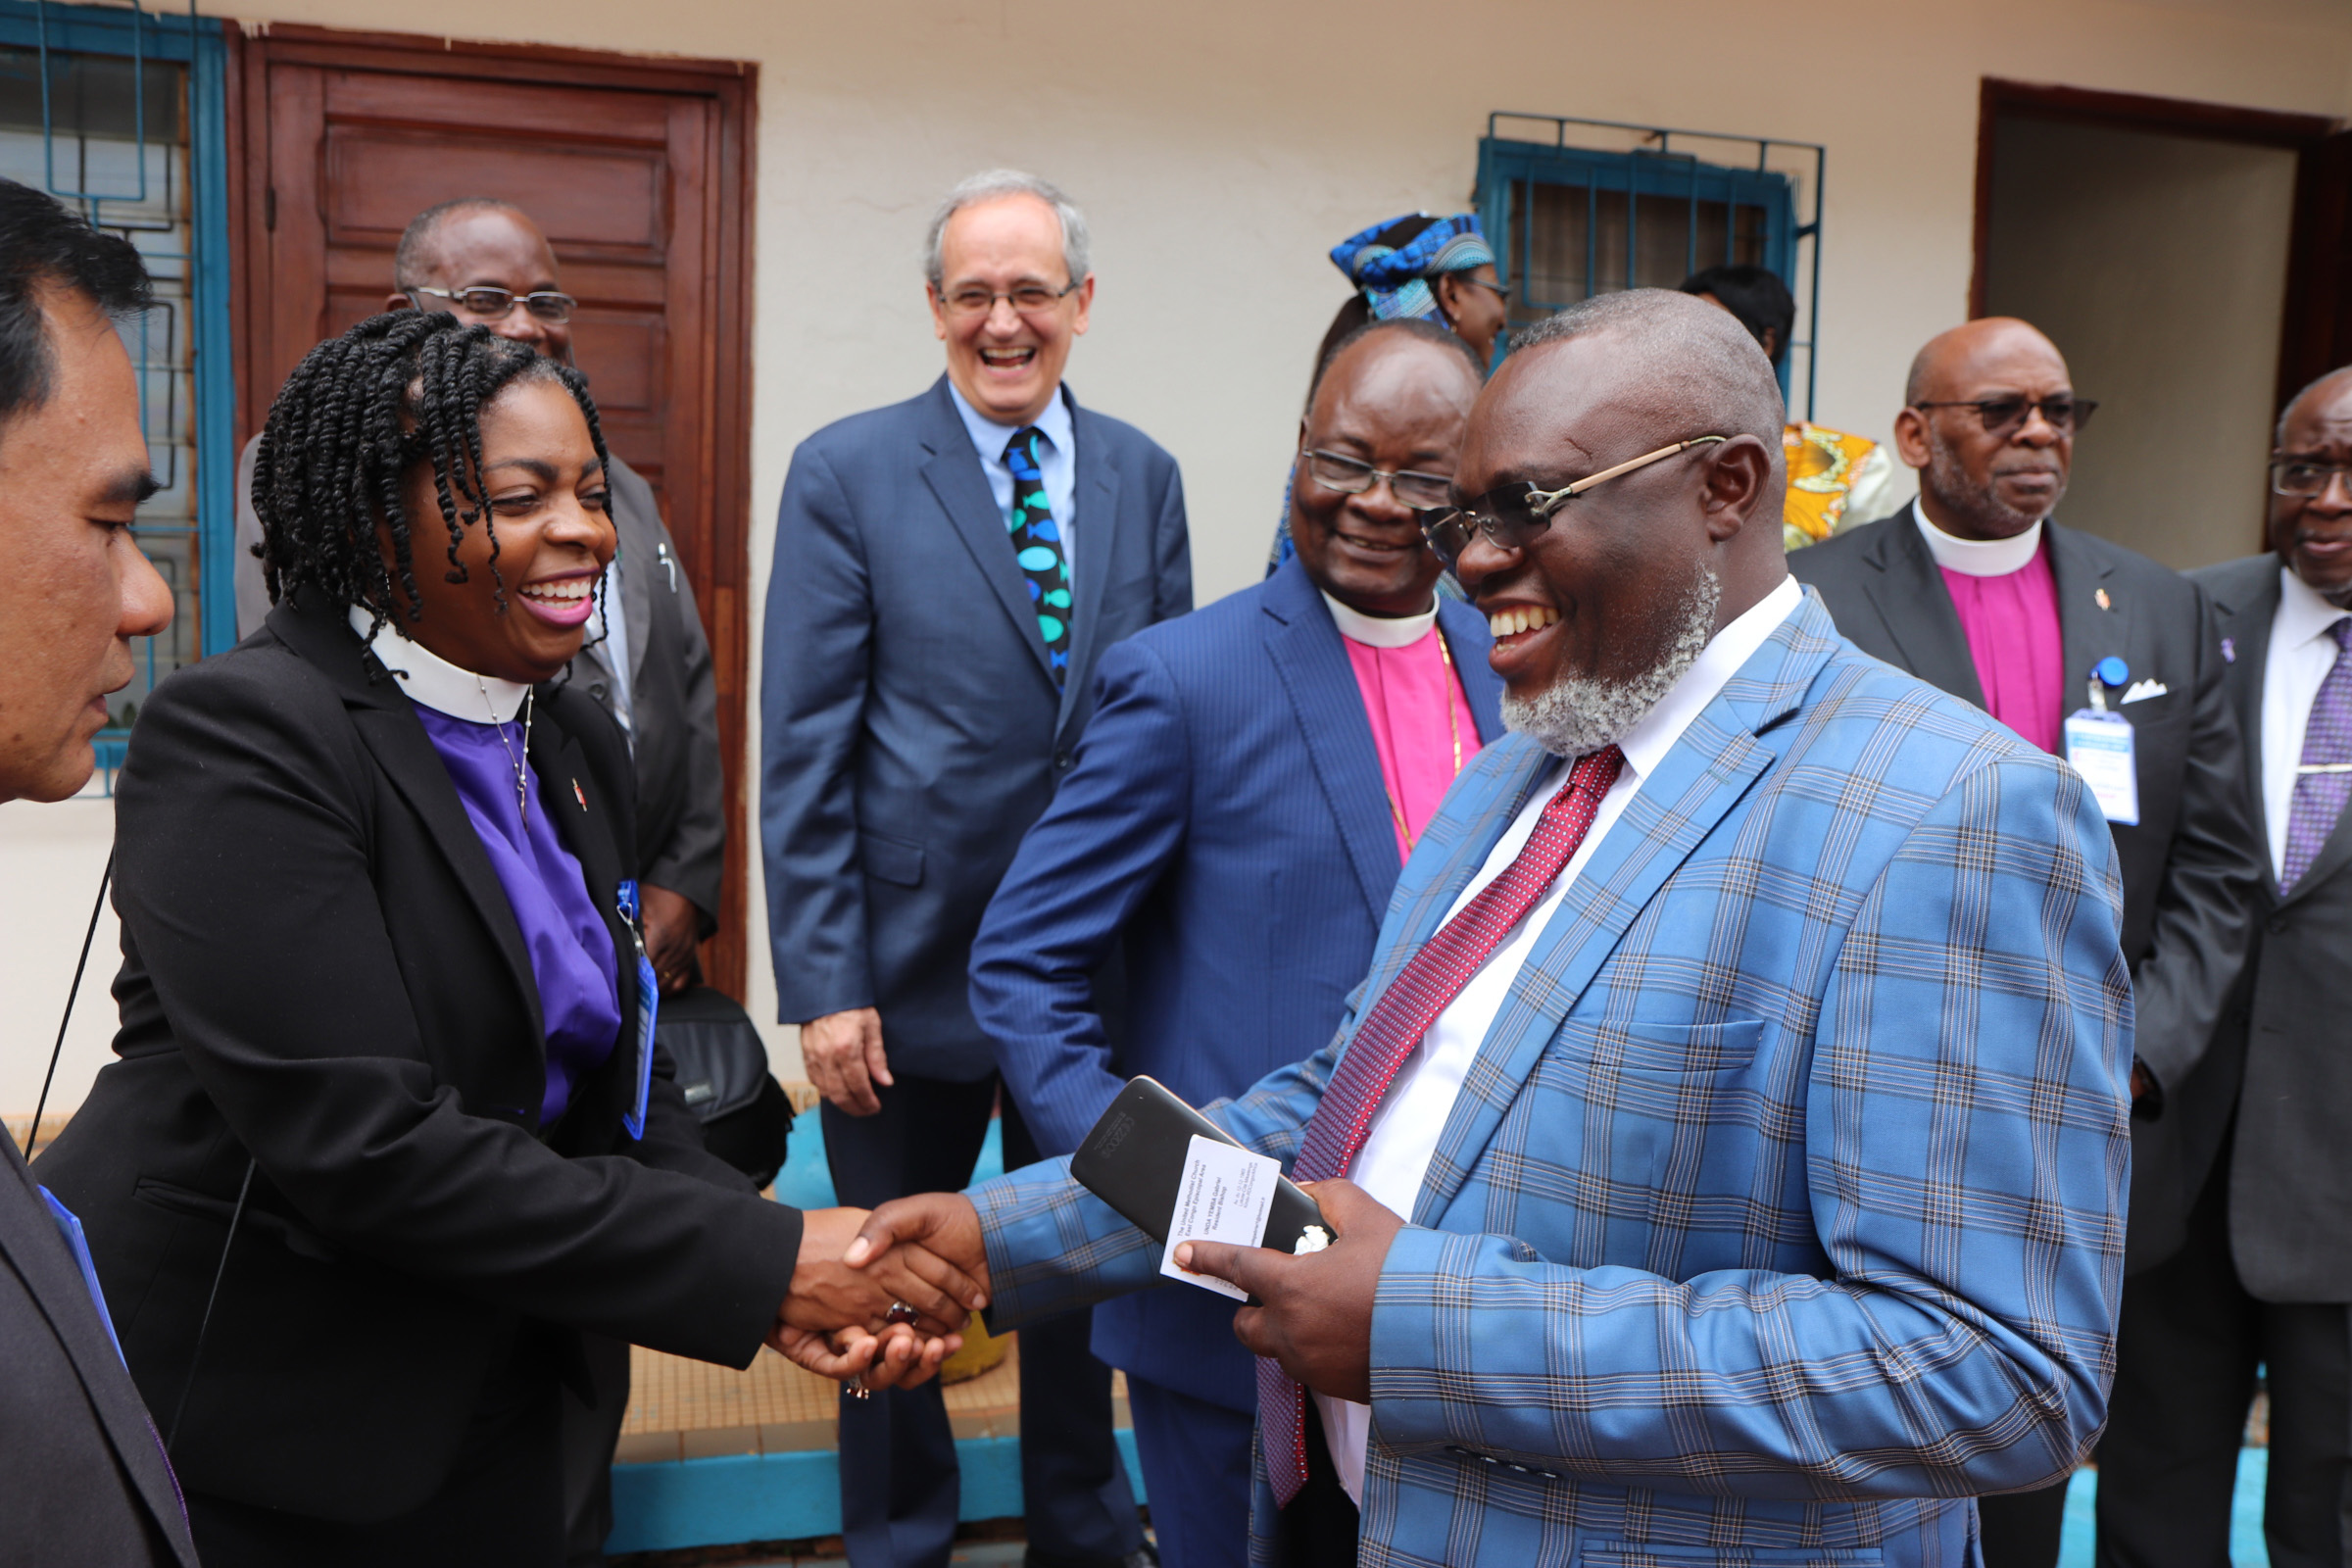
(121, 115)
(1569, 221)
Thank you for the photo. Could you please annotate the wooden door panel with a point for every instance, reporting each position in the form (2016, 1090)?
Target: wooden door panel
(638, 171)
(554, 113)
(377, 178)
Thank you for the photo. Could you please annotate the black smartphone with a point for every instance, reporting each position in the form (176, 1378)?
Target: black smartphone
(1134, 1161)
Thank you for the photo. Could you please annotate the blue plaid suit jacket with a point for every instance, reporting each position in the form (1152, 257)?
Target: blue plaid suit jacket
(1782, 1212)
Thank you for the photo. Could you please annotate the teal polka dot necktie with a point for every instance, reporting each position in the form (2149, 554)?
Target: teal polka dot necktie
(1037, 546)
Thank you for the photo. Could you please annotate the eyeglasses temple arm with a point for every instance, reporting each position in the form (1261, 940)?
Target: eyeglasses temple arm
(1553, 500)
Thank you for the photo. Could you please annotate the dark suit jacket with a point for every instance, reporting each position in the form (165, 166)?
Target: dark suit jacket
(674, 705)
(2290, 1164)
(2191, 865)
(321, 971)
(1228, 827)
(85, 1484)
(681, 813)
(911, 730)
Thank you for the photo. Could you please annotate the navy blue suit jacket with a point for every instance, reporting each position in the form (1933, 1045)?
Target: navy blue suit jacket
(910, 731)
(1226, 822)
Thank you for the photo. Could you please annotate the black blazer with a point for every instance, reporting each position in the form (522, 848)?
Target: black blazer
(84, 1484)
(909, 727)
(2192, 863)
(2290, 1166)
(681, 815)
(321, 970)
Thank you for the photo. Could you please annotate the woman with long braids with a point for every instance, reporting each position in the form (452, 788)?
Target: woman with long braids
(388, 1128)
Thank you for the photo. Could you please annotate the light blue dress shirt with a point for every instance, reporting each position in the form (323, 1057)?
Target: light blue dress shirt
(1057, 460)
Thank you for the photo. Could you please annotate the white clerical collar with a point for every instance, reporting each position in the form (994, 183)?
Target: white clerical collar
(1977, 558)
(434, 682)
(2303, 614)
(1380, 631)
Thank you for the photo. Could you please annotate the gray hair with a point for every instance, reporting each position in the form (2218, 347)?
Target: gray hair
(1681, 356)
(986, 186)
(2318, 388)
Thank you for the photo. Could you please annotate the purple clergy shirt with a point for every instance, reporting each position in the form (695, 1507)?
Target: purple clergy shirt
(2014, 639)
(570, 946)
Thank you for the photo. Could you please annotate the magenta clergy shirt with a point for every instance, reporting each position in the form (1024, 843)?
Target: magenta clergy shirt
(1417, 709)
(2011, 621)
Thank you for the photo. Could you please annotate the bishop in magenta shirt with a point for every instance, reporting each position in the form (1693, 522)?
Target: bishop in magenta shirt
(1421, 722)
(2008, 606)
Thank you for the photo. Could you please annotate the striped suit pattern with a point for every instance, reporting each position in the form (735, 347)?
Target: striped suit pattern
(1780, 1213)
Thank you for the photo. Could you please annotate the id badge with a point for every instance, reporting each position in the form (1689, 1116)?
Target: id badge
(649, 1005)
(2099, 747)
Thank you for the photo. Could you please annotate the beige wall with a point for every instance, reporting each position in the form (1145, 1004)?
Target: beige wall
(1221, 147)
(2158, 265)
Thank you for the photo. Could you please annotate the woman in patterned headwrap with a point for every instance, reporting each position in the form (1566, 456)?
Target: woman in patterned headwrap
(1435, 268)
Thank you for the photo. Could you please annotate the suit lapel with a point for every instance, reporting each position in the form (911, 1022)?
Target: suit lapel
(2243, 620)
(1097, 500)
(2088, 631)
(641, 563)
(1311, 658)
(956, 479)
(389, 728)
(1706, 773)
(30, 1240)
(1466, 639)
(1916, 607)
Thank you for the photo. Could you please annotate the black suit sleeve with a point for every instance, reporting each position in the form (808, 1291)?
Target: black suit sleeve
(248, 888)
(2213, 874)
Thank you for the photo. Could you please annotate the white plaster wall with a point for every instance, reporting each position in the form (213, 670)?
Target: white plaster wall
(1220, 147)
(2158, 265)
(51, 857)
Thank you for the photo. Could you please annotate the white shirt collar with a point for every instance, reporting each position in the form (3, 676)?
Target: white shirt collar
(991, 438)
(2302, 613)
(1646, 744)
(1380, 631)
(434, 682)
(1977, 558)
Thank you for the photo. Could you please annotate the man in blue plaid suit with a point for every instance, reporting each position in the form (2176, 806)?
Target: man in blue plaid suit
(1758, 1194)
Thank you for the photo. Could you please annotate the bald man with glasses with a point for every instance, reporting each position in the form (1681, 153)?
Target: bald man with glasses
(2095, 653)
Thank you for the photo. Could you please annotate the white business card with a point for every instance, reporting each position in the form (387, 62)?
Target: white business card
(1226, 1194)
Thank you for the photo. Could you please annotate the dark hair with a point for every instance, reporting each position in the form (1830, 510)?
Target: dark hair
(404, 387)
(409, 260)
(44, 246)
(1416, 327)
(1756, 296)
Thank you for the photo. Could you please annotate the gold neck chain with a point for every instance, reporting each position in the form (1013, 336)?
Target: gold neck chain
(1453, 723)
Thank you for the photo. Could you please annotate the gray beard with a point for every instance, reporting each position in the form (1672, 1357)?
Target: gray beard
(1959, 493)
(1580, 714)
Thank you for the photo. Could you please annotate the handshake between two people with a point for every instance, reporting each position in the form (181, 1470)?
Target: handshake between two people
(1314, 1318)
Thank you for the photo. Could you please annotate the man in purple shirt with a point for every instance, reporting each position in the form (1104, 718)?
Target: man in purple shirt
(1976, 588)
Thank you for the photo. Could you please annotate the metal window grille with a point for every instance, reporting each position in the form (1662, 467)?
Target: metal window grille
(1576, 208)
(118, 112)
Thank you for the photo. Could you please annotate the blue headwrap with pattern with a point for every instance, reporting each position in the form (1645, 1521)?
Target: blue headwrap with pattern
(1391, 262)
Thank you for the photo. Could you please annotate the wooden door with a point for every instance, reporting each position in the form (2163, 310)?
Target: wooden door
(2319, 273)
(640, 173)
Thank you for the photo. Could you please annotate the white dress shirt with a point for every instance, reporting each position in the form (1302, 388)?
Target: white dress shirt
(1056, 462)
(609, 633)
(2301, 656)
(1396, 1153)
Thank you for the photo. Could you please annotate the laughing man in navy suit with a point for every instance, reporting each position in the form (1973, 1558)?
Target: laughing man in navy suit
(1252, 779)
(948, 570)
